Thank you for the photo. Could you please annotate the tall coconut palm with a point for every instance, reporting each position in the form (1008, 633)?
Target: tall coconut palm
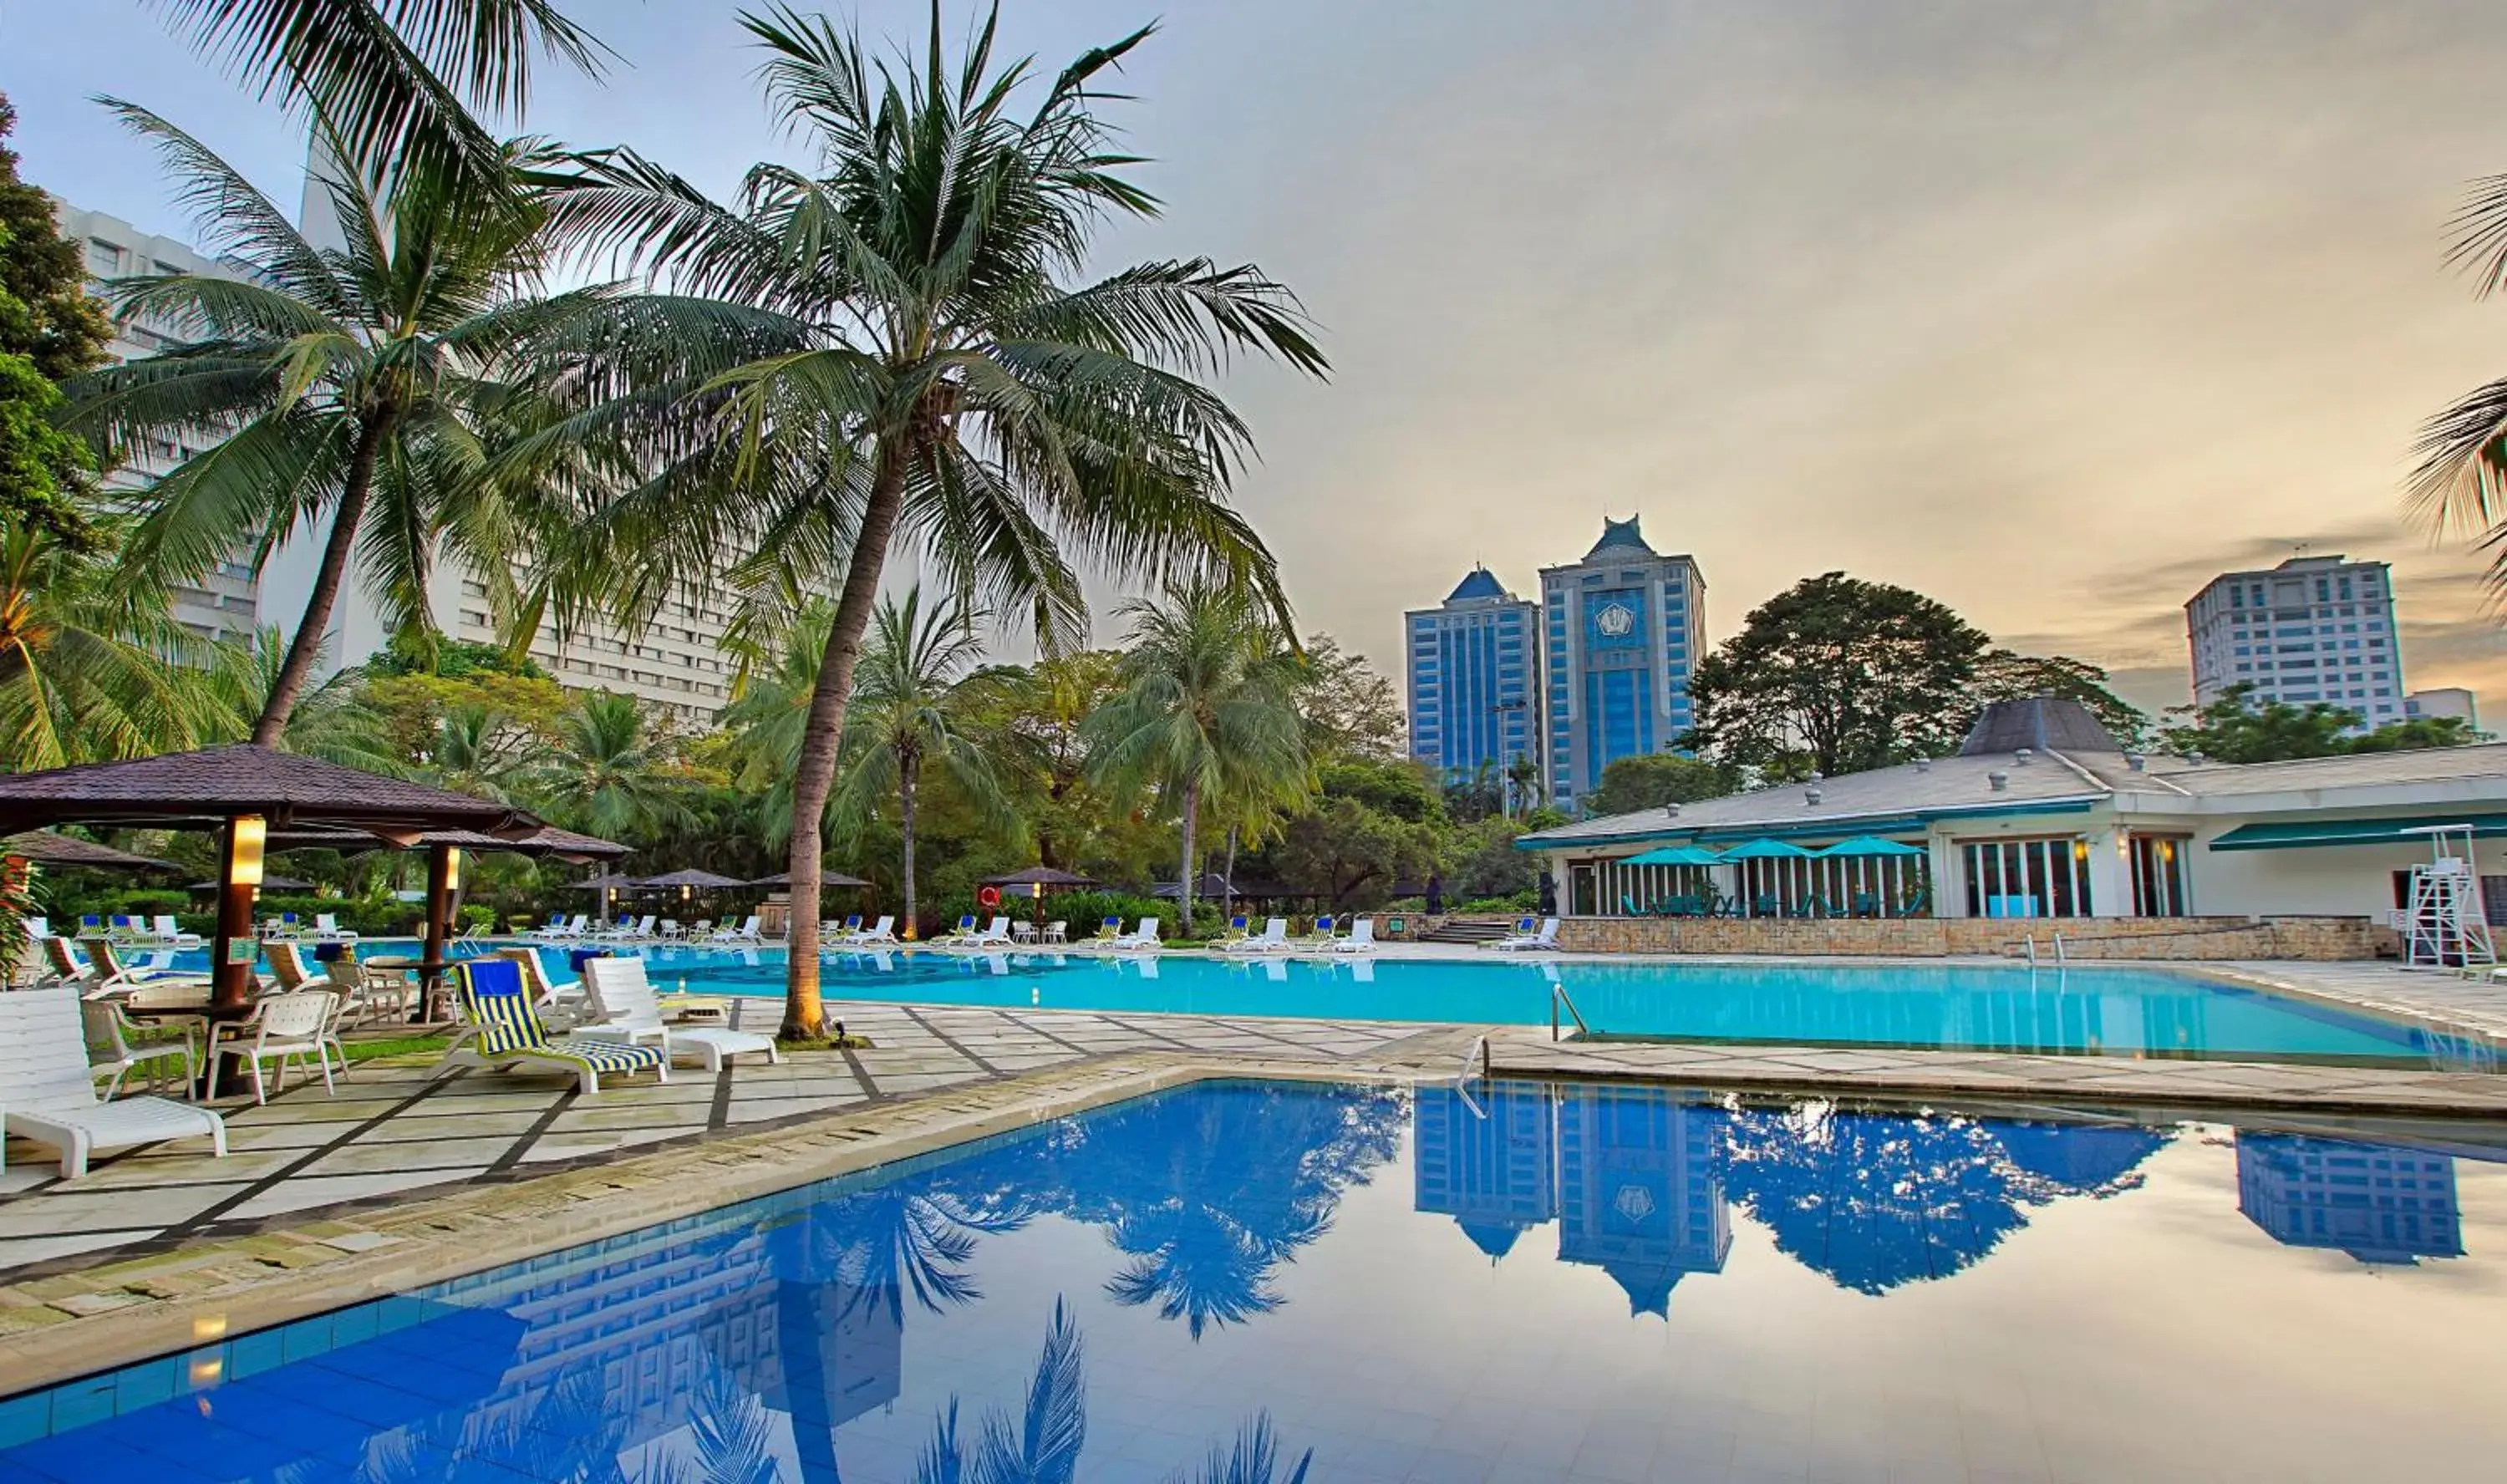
(608, 773)
(92, 666)
(943, 377)
(1207, 711)
(398, 81)
(2461, 485)
(361, 386)
(910, 707)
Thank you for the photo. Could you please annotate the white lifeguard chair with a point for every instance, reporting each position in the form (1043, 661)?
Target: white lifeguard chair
(2445, 925)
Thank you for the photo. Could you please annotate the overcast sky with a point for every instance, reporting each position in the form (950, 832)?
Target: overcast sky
(2049, 310)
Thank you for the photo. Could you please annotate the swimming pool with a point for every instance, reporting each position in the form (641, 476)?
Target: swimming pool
(2101, 1010)
(1347, 1283)
(2112, 1011)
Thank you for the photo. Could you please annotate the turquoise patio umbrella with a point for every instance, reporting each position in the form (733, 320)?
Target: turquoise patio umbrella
(1871, 846)
(1766, 850)
(1676, 855)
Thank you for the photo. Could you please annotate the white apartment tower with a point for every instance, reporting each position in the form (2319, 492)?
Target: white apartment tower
(224, 604)
(2311, 628)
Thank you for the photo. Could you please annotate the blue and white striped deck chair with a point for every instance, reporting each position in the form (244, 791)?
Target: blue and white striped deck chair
(505, 1031)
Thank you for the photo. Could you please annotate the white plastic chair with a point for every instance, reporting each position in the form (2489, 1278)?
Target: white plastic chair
(1360, 939)
(1058, 930)
(169, 933)
(48, 1094)
(282, 1026)
(109, 1048)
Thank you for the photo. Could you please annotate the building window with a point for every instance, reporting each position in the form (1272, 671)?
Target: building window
(2158, 876)
(2047, 877)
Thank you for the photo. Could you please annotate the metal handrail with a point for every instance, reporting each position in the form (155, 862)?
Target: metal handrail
(2059, 949)
(1557, 997)
(2031, 940)
(1463, 1078)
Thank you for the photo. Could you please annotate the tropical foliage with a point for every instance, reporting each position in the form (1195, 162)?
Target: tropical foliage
(899, 348)
(2239, 728)
(359, 392)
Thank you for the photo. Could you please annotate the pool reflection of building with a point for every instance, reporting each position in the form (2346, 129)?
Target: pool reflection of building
(2378, 1203)
(648, 1314)
(1629, 1173)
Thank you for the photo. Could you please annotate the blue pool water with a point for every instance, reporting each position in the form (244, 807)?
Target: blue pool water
(2101, 1010)
(1539, 1283)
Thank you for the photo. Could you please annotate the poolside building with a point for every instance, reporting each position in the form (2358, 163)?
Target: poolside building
(2444, 701)
(2042, 814)
(2313, 629)
(1621, 632)
(1474, 667)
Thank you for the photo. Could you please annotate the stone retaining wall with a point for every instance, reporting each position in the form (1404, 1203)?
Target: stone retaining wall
(2311, 938)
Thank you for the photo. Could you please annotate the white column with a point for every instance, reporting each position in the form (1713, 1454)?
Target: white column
(2109, 872)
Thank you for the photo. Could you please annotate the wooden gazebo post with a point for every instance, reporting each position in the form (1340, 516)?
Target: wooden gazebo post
(235, 945)
(443, 891)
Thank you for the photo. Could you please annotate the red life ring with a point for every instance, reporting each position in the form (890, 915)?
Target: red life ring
(989, 897)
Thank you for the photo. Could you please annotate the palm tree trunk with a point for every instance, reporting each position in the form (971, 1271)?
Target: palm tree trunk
(1183, 878)
(298, 667)
(906, 768)
(804, 1013)
(1230, 878)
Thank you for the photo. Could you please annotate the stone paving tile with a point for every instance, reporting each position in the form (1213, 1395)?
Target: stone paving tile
(307, 1192)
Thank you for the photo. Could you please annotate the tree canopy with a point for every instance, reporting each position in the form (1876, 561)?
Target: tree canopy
(50, 330)
(2239, 728)
(1651, 779)
(1844, 674)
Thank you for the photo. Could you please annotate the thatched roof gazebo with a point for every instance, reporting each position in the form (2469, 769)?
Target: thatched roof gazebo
(245, 791)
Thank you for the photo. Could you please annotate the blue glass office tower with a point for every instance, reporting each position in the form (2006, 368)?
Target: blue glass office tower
(1620, 631)
(1474, 678)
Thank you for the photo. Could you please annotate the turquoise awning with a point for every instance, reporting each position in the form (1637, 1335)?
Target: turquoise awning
(1872, 845)
(1676, 855)
(1766, 850)
(2307, 833)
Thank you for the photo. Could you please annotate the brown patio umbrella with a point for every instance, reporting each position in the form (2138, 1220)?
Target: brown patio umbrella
(44, 848)
(245, 791)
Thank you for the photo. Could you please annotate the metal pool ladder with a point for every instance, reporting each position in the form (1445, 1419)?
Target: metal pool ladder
(1559, 996)
(1463, 1077)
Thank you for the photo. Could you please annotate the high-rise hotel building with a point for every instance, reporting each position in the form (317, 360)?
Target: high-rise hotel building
(2311, 628)
(223, 603)
(1621, 632)
(1474, 668)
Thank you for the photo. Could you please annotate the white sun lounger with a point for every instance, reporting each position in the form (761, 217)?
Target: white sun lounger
(746, 932)
(1360, 939)
(48, 1094)
(623, 996)
(882, 931)
(1145, 937)
(1272, 939)
(1546, 937)
(998, 931)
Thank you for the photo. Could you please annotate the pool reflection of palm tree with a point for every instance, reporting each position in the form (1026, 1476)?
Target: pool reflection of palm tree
(1877, 1201)
(1043, 1444)
(894, 1241)
(1231, 1186)
(568, 1431)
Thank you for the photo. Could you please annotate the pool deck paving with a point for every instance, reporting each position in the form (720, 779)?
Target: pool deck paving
(397, 1180)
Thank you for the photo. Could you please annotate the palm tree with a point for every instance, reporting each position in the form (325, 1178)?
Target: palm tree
(2461, 485)
(397, 81)
(608, 773)
(926, 367)
(1206, 710)
(910, 708)
(93, 664)
(362, 385)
